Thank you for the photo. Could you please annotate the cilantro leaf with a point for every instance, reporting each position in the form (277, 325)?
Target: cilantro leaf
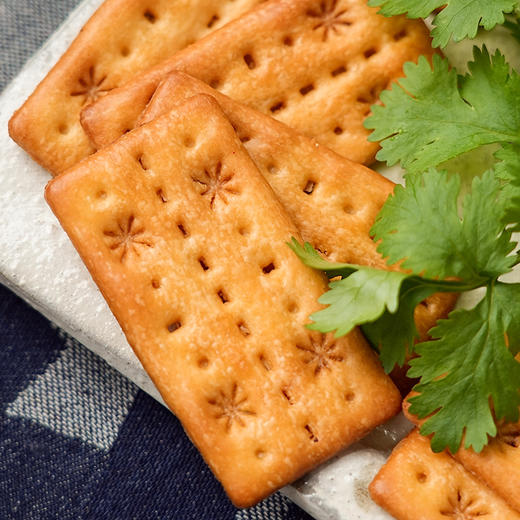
(433, 114)
(458, 20)
(311, 258)
(467, 365)
(366, 294)
(488, 244)
(384, 301)
(420, 223)
(514, 27)
(393, 334)
(507, 297)
(508, 171)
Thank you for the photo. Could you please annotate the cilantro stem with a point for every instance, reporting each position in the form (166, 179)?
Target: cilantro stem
(448, 285)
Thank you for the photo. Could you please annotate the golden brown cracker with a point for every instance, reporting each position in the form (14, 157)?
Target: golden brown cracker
(332, 200)
(122, 38)
(498, 464)
(417, 484)
(188, 245)
(316, 65)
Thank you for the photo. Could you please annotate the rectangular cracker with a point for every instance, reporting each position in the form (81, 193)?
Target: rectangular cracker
(187, 243)
(417, 484)
(498, 464)
(316, 65)
(332, 201)
(122, 38)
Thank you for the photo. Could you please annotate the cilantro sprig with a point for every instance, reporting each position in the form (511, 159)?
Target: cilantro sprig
(382, 301)
(471, 359)
(421, 224)
(468, 374)
(434, 114)
(457, 20)
(468, 363)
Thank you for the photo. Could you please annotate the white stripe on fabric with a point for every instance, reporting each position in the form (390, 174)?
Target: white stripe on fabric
(79, 395)
(274, 507)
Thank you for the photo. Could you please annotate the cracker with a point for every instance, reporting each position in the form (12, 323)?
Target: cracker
(498, 464)
(332, 200)
(188, 245)
(417, 484)
(122, 38)
(315, 65)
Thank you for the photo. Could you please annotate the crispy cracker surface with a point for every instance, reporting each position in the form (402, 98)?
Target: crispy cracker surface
(316, 65)
(188, 245)
(417, 484)
(498, 464)
(122, 38)
(332, 200)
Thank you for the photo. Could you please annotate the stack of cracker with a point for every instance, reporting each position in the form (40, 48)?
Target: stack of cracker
(187, 243)
(497, 465)
(463, 485)
(330, 58)
(316, 65)
(121, 39)
(183, 213)
(417, 484)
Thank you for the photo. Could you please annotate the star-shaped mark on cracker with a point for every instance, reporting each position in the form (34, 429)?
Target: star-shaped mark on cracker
(510, 434)
(230, 407)
(90, 87)
(462, 508)
(214, 183)
(329, 17)
(320, 353)
(127, 238)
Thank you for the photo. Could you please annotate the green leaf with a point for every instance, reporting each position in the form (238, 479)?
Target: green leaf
(393, 334)
(420, 223)
(508, 171)
(382, 301)
(433, 114)
(311, 258)
(513, 26)
(458, 20)
(413, 8)
(507, 297)
(360, 298)
(467, 365)
(488, 244)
